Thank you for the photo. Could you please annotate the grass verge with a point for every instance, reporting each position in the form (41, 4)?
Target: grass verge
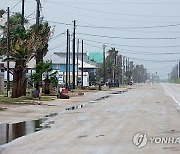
(24, 100)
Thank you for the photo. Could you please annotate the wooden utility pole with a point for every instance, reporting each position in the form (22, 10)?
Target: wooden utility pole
(69, 61)
(115, 65)
(37, 12)
(8, 50)
(67, 56)
(104, 64)
(39, 54)
(124, 67)
(179, 69)
(121, 70)
(128, 65)
(22, 17)
(74, 46)
(82, 64)
(77, 60)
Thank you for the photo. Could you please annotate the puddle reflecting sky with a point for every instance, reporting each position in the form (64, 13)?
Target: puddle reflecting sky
(9, 132)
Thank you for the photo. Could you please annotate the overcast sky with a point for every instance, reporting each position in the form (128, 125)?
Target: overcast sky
(145, 31)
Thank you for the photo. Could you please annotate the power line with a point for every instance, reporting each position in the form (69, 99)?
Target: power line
(58, 46)
(120, 28)
(61, 23)
(57, 36)
(157, 61)
(115, 28)
(115, 19)
(143, 31)
(115, 3)
(30, 14)
(15, 5)
(130, 38)
(136, 46)
(148, 53)
(115, 13)
(137, 52)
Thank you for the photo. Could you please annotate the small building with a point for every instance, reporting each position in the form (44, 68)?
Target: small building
(88, 65)
(59, 64)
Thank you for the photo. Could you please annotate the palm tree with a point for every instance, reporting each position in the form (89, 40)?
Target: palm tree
(24, 44)
(46, 69)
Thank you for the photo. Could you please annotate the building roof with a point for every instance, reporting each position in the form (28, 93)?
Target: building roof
(31, 64)
(96, 56)
(85, 57)
(56, 59)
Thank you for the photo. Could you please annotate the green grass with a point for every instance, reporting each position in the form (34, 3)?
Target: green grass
(43, 98)
(8, 100)
(24, 100)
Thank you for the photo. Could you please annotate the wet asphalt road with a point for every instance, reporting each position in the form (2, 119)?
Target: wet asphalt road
(108, 125)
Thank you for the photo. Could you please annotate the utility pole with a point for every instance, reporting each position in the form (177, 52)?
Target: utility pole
(82, 64)
(67, 56)
(25, 84)
(124, 68)
(69, 60)
(37, 12)
(8, 50)
(22, 17)
(104, 64)
(126, 65)
(39, 54)
(129, 76)
(121, 68)
(74, 46)
(114, 73)
(179, 69)
(77, 59)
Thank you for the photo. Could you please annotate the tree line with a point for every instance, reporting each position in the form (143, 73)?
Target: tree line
(119, 70)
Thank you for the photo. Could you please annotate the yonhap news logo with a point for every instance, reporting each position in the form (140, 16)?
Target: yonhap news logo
(141, 139)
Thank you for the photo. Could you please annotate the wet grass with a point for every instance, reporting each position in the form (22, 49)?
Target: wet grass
(9, 100)
(24, 100)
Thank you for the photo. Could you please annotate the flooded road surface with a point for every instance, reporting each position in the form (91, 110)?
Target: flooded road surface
(110, 126)
(9, 132)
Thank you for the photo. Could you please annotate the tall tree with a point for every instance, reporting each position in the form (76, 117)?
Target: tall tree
(23, 46)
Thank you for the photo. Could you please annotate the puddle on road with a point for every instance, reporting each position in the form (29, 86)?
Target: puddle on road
(101, 98)
(74, 107)
(119, 92)
(107, 96)
(10, 132)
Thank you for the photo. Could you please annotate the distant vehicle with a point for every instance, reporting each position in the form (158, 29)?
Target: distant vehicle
(130, 83)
